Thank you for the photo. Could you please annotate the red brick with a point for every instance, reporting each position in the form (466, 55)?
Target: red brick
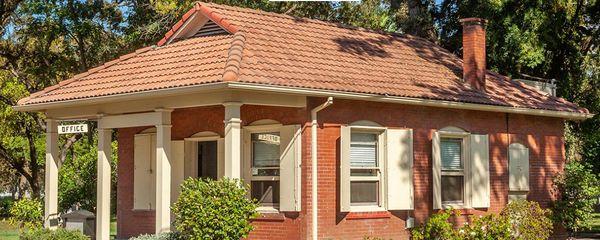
(543, 135)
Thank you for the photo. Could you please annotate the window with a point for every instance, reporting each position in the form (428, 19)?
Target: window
(461, 176)
(265, 160)
(271, 165)
(207, 159)
(375, 168)
(365, 169)
(453, 171)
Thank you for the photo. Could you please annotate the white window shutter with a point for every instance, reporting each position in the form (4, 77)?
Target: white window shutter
(144, 158)
(345, 168)
(220, 158)
(518, 167)
(480, 171)
(289, 165)
(189, 159)
(177, 168)
(436, 170)
(399, 169)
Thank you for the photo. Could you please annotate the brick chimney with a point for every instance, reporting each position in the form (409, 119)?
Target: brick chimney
(474, 52)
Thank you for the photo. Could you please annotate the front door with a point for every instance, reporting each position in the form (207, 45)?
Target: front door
(207, 159)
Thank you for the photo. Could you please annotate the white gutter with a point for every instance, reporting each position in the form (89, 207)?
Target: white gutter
(307, 92)
(313, 157)
(150, 94)
(412, 101)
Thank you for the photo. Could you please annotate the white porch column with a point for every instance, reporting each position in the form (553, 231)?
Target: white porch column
(163, 172)
(51, 178)
(103, 185)
(233, 140)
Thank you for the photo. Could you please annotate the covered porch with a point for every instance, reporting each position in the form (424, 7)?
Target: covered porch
(167, 134)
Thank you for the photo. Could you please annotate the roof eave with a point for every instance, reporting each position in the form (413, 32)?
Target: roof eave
(40, 107)
(414, 101)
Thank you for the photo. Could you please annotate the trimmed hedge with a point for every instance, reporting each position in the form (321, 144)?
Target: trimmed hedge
(46, 234)
(209, 209)
(162, 236)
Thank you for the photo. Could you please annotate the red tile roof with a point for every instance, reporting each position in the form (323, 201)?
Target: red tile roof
(275, 49)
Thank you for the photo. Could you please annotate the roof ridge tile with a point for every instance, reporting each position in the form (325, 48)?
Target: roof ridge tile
(311, 20)
(234, 58)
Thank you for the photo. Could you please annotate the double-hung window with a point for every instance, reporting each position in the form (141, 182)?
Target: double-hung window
(265, 154)
(452, 171)
(461, 176)
(375, 168)
(365, 169)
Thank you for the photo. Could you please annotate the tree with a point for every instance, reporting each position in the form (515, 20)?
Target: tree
(42, 43)
(578, 189)
(549, 39)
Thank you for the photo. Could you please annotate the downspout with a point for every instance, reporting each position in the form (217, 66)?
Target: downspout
(313, 156)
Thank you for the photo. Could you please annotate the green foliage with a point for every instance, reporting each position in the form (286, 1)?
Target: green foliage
(528, 221)
(27, 213)
(208, 209)
(520, 219)
(488, 227)
(78, 174)
(437, 227)
(162, 236)
(578, 189)
(46, 234)
(5, 206)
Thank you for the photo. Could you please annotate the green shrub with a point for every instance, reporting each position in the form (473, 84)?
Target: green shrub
(162, 236)
(26, 213)
(578, 189)
(46, 234)
(5, 205)
(208, 209)
(528, 221)
(437, 227)
(520, 220)
(488, 227)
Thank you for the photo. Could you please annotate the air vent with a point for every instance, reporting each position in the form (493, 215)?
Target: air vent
(210, 29)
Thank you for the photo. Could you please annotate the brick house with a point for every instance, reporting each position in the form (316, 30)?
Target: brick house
(340, 132)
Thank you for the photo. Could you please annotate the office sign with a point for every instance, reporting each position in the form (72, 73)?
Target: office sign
(76, 128)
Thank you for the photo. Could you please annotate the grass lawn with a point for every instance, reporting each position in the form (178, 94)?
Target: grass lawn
(113, 228)
(8, 232)
(595, 223)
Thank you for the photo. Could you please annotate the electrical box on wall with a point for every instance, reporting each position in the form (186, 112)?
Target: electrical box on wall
(410, 222)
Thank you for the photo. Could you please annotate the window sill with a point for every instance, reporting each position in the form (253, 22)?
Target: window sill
(456, 206)
(143, 210)
(366, 209)
(270, 217)
(368, 215)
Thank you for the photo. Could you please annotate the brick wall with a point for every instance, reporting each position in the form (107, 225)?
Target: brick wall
(544, 137)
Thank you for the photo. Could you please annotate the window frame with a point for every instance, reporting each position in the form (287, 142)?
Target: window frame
(381, 168)
(247, 161)
(192, 153)
(464, 137)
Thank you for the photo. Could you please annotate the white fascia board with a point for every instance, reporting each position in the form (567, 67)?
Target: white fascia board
(121, 97)
(306, 92)
(413, 101)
